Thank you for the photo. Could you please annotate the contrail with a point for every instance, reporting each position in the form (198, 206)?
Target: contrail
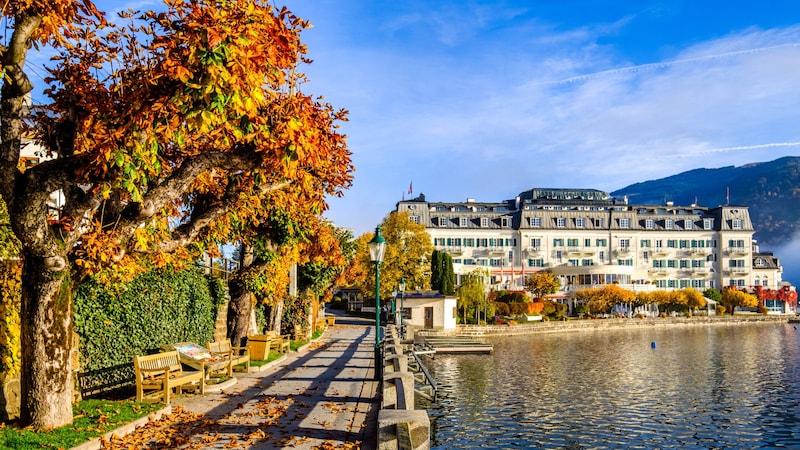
(664, 65)
(693, 153)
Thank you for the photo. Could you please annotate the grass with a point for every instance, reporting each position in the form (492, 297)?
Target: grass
(272, 357)
(91, 418)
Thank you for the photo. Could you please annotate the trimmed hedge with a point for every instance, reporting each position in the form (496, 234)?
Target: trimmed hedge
(156, 308)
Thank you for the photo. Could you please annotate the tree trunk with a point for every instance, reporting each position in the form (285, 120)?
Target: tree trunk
(239, 310)
(275, 315)
(46, 340)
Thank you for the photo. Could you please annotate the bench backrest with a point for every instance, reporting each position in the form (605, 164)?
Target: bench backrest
(219, 346)
(169, 361)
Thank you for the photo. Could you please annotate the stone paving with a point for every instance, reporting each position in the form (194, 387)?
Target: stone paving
(321, 397)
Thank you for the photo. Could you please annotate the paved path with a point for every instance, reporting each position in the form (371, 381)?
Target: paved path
(322, 397)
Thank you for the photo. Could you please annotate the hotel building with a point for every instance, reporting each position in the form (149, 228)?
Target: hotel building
(587, 238)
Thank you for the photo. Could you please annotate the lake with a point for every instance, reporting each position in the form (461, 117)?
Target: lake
(695, 386)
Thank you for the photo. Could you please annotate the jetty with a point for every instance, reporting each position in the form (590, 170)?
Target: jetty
(455, 345)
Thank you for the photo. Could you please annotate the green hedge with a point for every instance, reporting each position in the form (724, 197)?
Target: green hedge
(157, 308)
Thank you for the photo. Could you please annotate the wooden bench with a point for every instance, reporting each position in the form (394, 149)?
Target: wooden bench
(280, 342)
(163, 372)
(234, 355)
(302, 333)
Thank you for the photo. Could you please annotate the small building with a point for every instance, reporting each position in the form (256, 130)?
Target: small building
(428, 310)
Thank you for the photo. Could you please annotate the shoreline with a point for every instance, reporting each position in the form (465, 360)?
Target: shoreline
(477, 331)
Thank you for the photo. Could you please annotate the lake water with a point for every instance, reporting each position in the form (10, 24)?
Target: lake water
(699, 386)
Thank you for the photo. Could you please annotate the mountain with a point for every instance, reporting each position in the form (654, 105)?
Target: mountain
(771, 190)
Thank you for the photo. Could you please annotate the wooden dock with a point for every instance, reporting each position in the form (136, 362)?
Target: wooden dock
(457, 345)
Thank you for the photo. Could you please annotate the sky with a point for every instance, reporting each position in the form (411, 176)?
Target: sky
(486, 99)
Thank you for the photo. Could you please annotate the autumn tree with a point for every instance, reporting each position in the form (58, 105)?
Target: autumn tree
(408, 246)
(732, 297)
(694, 299)
(542, 283)
(472, 294)
(166, 138)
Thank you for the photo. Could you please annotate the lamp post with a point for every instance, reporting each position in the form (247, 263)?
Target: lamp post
(402, 288)
(377, 247)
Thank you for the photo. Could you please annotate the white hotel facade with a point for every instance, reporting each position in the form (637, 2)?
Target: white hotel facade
(587, 238)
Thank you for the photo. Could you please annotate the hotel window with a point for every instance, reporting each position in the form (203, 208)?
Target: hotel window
(572, 242)
(646, 255)
(561, 222)
(684, 284)
(601, 242)
(684, 263)
(587, 242)
(649, 224)
(697, 284)
(687, 224)
(672, 283)
(684, 243)
(536, 262)
(469, 242)
(599, 223)
(736, 263)
(414, 219)
(484, 222)
(698, 263)
(624, 243)
(482, 242)
(536, 242)
(580, 223)
(736, 224)
(559, 255)
(536, 221)
(624, 262)
(601, 255)
(644, 243)
(587, 262)
(708, 224)
(672, 243)
(671, 263)
(669, 224)
(659, 243)
(505, 221)
(558, 242)
(760, 262)
(659, 263)
(462, 222)
(624, 223)
(572, 262)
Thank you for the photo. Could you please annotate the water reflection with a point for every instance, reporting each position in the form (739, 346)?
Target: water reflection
(700, 387)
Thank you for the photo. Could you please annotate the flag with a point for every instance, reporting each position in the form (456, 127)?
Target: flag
(410, 188)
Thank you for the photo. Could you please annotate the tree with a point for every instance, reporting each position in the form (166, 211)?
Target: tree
(542, 283)
(407, 246)
(731, 298)
(472, 293)
(167, 137)
(443, 277)
(694, 299)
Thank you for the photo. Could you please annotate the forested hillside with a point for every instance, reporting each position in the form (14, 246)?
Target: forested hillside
(770, 189)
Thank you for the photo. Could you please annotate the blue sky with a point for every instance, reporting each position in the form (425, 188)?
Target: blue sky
(485, 99)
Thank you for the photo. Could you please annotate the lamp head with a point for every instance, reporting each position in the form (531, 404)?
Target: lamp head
(377, 246)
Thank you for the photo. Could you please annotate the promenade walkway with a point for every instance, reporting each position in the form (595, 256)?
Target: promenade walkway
(322, 397)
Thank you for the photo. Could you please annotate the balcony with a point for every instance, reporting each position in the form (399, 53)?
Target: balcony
(737, 271)
(534, 251)
(738, 251)
(454, 250)
(623, 251)
(496, 251)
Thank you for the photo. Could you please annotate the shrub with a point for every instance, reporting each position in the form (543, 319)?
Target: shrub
(720, 310)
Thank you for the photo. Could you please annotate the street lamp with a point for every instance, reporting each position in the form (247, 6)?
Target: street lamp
(377, 247)
(402, 288)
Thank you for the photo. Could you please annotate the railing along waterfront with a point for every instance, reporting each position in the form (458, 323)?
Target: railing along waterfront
(595, 324)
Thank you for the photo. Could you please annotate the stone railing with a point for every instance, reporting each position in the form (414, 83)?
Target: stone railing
(595, 324)
(400, 426)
